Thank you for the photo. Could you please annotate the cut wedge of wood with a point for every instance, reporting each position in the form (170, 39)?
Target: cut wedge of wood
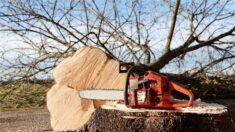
(88, 68)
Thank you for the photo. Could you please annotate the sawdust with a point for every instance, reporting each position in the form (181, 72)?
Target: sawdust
(198, 107)
(203, 107)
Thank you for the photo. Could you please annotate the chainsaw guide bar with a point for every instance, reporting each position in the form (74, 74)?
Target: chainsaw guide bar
(102, 94)
(143, 89)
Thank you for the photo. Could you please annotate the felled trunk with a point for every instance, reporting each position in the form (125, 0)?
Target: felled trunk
(88, 68)
(201, 117)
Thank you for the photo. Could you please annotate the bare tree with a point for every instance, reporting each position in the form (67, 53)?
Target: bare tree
(151, 33)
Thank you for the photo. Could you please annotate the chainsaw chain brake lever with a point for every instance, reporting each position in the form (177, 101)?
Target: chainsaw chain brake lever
(124, 66)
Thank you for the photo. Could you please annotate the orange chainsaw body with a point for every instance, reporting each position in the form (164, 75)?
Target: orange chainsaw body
(153, 90)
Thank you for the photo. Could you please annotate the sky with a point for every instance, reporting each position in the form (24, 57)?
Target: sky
(158, 34)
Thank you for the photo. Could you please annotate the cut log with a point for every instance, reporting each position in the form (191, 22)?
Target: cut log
(202, 117)
(67, 110)
(88, 68)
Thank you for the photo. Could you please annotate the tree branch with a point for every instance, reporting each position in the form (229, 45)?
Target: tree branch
(172, 28)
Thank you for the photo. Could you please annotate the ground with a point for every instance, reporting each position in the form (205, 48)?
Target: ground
(38, 119)
(25, 121)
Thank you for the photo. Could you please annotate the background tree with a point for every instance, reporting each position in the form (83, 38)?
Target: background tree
(195, 36)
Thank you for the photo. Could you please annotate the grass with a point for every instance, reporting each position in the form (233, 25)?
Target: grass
(23, 95)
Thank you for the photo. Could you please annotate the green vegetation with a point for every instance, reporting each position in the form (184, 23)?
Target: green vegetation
(208, 87)
(214, 87)
(22, 95)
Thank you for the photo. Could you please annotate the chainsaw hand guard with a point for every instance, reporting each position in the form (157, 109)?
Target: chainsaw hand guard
(124, 67)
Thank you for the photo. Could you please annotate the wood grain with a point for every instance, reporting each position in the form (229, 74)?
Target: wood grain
(88, 68)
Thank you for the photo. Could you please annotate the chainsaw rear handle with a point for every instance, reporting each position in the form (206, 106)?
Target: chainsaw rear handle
(178, 88)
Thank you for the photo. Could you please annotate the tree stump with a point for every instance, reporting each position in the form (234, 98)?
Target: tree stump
(202, 117)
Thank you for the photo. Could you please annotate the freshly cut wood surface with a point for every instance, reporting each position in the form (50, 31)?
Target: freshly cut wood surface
(202, 117)
(88, 68)
(67, 110)
(197, 108)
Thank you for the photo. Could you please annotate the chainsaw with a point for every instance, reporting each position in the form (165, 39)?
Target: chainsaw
(143, 89)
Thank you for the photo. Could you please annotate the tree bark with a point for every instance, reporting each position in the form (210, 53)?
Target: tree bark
(172, 28)
(117, 118)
